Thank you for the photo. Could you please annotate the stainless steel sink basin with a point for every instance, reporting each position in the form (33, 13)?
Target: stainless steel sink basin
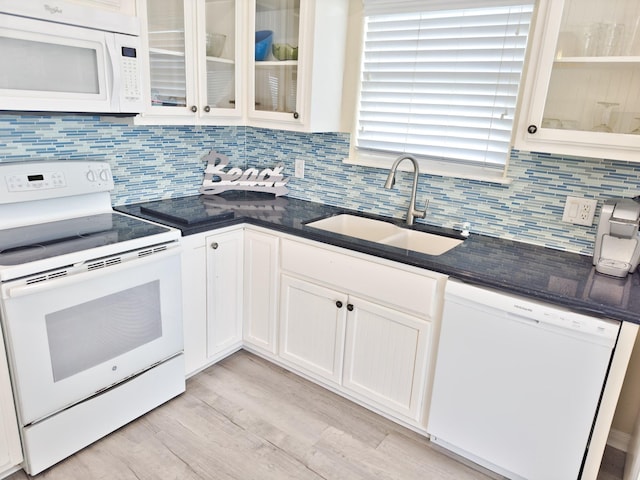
(386, 233)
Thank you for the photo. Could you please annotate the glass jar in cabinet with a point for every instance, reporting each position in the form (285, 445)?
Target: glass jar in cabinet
(581, 94)
(295, 57)
(192, 56)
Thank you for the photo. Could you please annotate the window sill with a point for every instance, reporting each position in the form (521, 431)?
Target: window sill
(431, 167)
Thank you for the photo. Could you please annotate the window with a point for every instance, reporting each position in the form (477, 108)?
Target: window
(440, 81)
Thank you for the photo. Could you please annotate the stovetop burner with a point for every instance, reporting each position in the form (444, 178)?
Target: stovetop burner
(37, 242)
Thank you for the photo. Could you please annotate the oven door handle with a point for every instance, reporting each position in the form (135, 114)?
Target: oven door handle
(64, 281)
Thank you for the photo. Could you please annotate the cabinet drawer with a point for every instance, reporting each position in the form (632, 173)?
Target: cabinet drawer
(406, 290)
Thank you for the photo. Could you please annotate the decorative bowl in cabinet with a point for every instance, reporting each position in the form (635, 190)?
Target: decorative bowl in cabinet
(284, 51)
(263, 44)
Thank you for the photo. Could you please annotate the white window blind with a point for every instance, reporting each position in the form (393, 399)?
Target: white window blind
(443, 82)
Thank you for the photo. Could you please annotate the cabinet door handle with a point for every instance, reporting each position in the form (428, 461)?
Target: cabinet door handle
(350, 307)
(194, 109)
(532, 129)
(207, 108)
(296, 115)
(339, 304)
(215, 245)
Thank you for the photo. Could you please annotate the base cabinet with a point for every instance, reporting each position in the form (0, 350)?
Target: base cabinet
(194, 302)
(224, 292)
(361, 325)
(312, 327)
(385, 356)
(260, 308)
(212, 296)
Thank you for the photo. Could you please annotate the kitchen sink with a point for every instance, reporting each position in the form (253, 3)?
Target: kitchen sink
(423, 242)
(355, 226)
(386, 233)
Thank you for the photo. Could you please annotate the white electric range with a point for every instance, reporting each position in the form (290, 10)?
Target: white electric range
(90, 307)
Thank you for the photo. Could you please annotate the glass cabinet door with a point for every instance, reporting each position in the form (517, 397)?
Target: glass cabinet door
(219, 51)
(167, 59)
(277, 24)
(594, 83)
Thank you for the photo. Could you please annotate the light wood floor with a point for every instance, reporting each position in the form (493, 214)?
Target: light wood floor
(247, 419)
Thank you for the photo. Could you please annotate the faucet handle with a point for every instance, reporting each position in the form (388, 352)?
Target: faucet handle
(422, 213)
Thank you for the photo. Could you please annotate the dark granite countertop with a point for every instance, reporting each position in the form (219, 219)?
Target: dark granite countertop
(560, 278)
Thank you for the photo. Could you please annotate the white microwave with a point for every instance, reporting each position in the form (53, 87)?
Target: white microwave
(61, 57)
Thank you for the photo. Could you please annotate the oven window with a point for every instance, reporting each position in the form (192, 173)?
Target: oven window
(88, 334)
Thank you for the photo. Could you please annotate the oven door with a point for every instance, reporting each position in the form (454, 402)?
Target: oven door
(73, 336)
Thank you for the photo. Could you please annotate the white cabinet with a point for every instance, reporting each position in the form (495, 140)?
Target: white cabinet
(212, 296)
(386, 356)
(581, 93)
(199, 53)
(193, 50)
(10, 449)
(297, 85)
(224, 292)
(194, 302)
(312, 326)
(375, 352)
(365, 326)
(260, 307)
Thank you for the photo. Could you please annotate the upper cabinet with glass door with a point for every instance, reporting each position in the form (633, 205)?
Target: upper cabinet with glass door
(296, 63)
(582, 92)
(194, 74)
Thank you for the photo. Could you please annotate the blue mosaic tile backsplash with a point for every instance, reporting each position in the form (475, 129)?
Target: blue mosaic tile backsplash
(154, 162)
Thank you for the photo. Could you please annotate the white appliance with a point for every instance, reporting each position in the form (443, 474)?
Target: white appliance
(65, 57)
(90, 307)
(517, 383)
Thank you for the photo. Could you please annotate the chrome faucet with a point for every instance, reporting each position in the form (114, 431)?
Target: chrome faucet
(411, 211)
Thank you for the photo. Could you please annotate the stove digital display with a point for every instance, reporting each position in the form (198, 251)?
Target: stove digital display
(35, 178)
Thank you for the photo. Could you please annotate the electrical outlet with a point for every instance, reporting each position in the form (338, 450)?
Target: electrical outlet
(579, 211)
(299, 168)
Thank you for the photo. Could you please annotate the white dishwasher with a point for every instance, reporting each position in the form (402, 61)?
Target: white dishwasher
(517, 382)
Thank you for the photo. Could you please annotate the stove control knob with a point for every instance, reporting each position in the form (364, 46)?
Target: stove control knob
(104, 175)
(91, 176)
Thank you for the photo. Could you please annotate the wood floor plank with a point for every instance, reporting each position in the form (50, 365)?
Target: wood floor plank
(294, 391)
(286, 424)
(210, 442)
(245, 418)
(426, 462)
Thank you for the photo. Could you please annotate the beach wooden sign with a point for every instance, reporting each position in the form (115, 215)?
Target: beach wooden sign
(218, 179)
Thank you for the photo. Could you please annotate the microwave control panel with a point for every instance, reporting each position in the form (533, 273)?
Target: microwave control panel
(126, 59)
(130, 74)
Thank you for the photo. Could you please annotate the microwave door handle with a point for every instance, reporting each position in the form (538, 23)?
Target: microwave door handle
(113, 74)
